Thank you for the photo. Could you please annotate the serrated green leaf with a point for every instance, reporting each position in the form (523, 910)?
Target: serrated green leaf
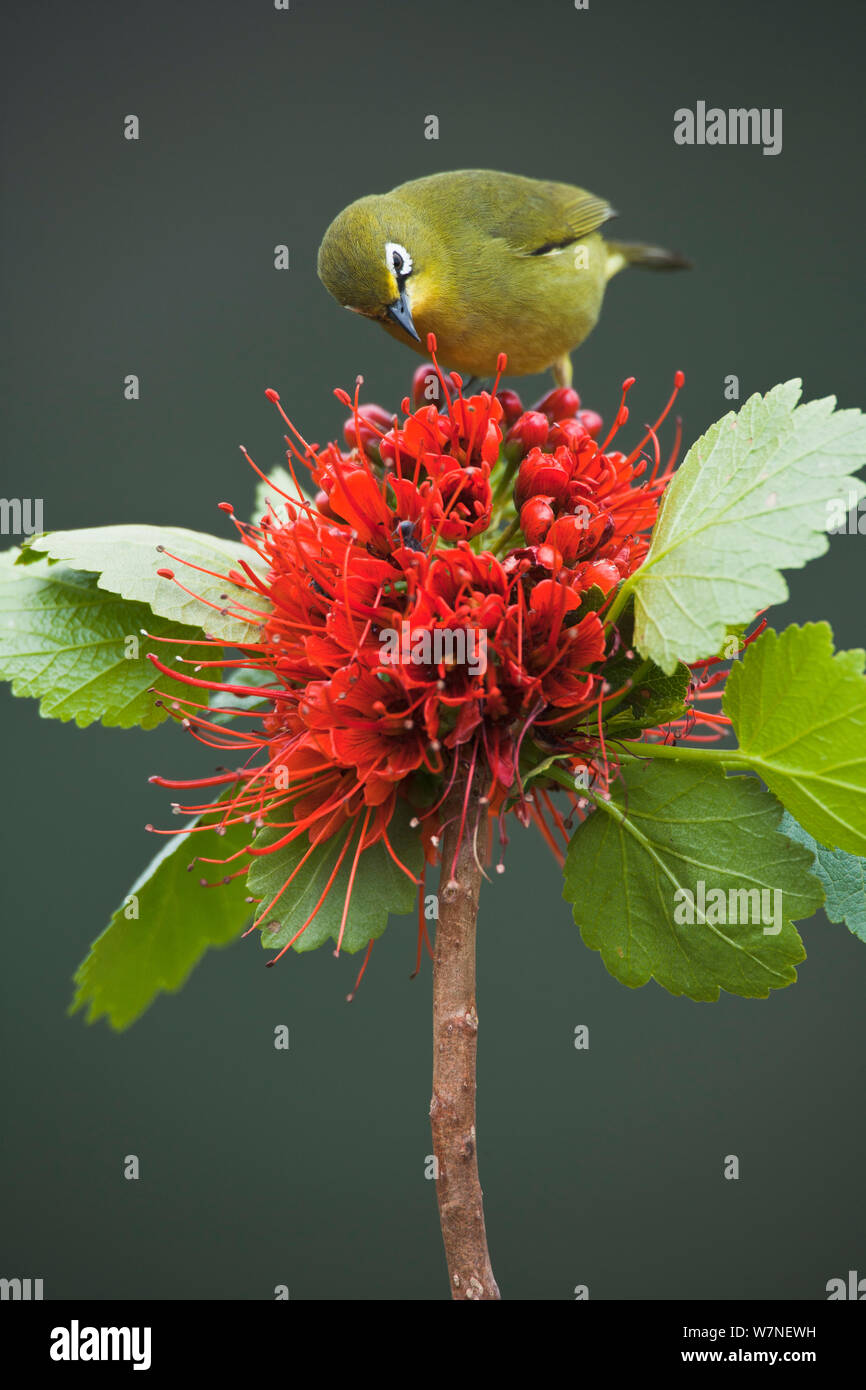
(29, 554)
(667, 829)
(126, 559)
(843, 876)
(654, 698)
(379, 886)
(750, 499)
(137, 957)
(799, 713)
(79, 650)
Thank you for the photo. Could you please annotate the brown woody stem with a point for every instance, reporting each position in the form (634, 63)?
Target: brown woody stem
(455, 1040)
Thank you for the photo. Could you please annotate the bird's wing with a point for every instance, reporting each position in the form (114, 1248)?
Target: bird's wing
(552, 216)
(533, 217)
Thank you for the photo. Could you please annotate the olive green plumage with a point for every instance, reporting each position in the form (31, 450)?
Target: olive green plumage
(488, 262)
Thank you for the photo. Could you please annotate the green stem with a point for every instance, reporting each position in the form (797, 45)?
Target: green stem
(500, 544)
(634, 748)
(619, 603)
(556, 774)
(504, 483)
(727, 757)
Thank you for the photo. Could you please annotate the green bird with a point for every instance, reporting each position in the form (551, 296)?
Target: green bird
(487, 262)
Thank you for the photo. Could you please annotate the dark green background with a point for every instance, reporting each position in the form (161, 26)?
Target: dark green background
(156, 257)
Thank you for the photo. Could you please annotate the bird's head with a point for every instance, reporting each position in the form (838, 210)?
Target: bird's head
(374, 259)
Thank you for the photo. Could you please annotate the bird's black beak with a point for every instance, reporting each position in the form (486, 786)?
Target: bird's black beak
(400, 313)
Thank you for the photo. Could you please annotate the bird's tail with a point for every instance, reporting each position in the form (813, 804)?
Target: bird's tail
(623, 253)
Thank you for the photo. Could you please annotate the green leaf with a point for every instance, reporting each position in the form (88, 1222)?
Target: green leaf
(667, 829)
(29, 554)
(379, 886)
(591, 600)
(843, 876)
(534, 764)
(79, 650)
(137, 957)
(127, 558)
(799, 714)
(654, 697)
(751, 498)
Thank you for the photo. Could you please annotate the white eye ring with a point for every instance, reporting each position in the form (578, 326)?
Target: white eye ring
(392, 248)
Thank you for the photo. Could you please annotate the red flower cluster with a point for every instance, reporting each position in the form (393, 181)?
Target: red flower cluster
(436, 469)
(577, 497)
(405, 636)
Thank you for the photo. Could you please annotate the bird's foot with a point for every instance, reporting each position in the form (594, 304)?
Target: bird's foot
(562, 370)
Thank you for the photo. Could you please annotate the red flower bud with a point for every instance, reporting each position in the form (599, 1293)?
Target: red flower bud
(529, 432)
(512, 406)
(366, 436)
(536, 519)
(591, 421)
(426, 386)
(559, 404)
(569, 434)
(324, 506)
(602, 573)
(388, 452)
(540, 475)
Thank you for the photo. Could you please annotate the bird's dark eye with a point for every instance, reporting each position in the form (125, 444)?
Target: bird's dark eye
(398, 260)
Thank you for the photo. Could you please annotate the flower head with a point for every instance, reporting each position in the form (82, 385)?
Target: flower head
(440, 601)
